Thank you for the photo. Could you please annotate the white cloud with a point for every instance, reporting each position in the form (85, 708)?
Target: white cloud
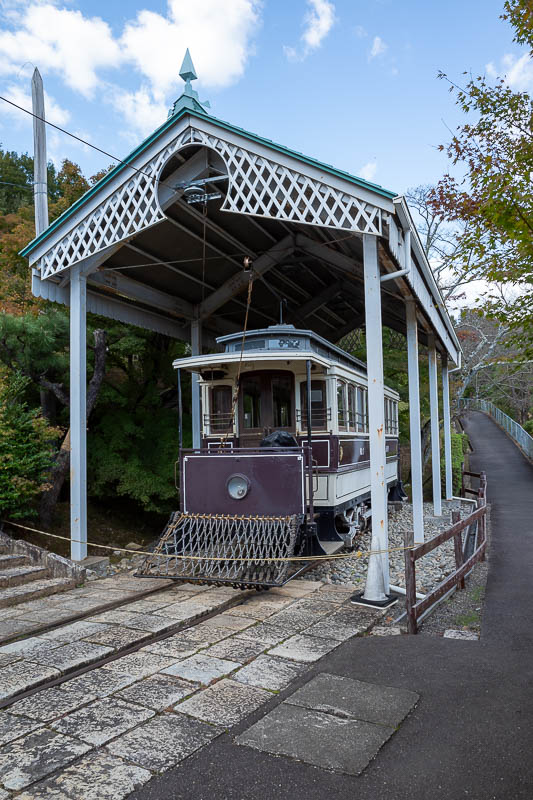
(61, 41)
(142, 113)
(379, 47)
(53, 111)
(518, 72)
(318, 21)
(360, 32)
(217, 33)
(83, 50)
(368, 171)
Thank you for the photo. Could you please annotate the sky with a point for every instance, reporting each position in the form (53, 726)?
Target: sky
(350, 82)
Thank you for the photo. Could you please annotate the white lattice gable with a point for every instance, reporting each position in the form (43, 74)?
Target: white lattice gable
(262, 183)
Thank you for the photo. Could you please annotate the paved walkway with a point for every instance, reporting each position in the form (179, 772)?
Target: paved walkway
(470, 734)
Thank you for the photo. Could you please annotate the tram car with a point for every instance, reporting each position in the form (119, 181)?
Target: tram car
(283, 467)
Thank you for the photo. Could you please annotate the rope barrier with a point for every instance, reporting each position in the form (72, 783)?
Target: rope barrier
(334, 557)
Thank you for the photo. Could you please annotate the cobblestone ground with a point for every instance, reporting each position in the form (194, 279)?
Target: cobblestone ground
(112, 728)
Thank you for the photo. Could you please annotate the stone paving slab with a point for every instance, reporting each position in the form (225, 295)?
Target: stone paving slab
(26, 648)
(173, 647)
(184, 610)
(71, 656)
(157, 692)
(103, 777)
(263, 632)
(268, 672)
(235, 649)
(102, 720)
(304, 648)
(464, 635)
(260, 609)
(142, 622)
(13, 727)
(226, 621)
(22, 675)
(201, 668)
(14, 627)
(348, 698)
(8, 658)
(28, 760)
(225, 703)
(164, 741)
(49, 704)
(204, 635)
(344, 745)
(140, 665)
(75, 631)
(98, 683)
(118, 638)
(345, 623)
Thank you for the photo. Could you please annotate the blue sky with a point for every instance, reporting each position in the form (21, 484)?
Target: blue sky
(351, 83)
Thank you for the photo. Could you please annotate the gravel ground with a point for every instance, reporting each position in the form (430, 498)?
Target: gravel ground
(464, 609)
(430, 570)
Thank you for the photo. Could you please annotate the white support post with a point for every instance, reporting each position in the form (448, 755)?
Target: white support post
(377, 582)
(414, 421)
(40, 186)
(447, 427)
(196, 349)
(78, 415)
(435, 428)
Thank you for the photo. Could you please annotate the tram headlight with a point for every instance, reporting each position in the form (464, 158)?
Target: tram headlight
(238, 486)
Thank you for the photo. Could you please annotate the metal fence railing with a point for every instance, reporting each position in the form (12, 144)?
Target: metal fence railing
(515, 431)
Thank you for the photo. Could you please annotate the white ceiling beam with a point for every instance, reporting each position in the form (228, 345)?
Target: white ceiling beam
(120, 284)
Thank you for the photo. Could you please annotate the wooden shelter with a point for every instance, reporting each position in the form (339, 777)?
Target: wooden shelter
(160, 241)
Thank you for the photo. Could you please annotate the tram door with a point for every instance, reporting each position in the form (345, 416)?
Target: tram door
(266, 404)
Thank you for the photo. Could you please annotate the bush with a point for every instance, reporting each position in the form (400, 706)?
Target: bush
(25, 450)
(459, 448)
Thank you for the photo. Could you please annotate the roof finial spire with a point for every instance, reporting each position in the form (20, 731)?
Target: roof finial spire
(189, 98)
(187, 71)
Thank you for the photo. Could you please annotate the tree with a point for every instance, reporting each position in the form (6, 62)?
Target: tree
(26, 448)
(494, 198)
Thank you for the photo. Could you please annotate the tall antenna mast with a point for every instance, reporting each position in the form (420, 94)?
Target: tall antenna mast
(40, 186)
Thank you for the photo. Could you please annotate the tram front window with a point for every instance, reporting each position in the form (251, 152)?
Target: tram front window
(251, 401)
(282, 401)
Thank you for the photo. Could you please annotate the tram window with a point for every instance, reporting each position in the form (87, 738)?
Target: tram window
(318, 404)
(282, 401)
(352, 409)
(251, 401)
(361, 409)
(221, 417)
(341, 404)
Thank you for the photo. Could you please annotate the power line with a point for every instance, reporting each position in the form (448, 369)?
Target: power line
(83, 141)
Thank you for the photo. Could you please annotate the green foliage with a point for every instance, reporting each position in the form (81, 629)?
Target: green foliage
(528, 426)
(16, 181)
(25, 449)
(459, 448)
(494, 197)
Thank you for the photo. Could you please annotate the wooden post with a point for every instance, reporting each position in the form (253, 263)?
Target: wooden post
(447, 427)
(40, 186)
(458, 549)
(410, 588)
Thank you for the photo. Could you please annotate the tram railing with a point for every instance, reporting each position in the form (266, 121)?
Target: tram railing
(416, 609)
(509, 425)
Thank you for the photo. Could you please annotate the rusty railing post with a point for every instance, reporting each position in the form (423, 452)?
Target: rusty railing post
(410, 588)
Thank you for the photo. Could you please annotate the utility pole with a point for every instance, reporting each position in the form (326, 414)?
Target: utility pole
(40, 186)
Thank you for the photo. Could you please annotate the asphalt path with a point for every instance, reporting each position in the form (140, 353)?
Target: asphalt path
(471, 734)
